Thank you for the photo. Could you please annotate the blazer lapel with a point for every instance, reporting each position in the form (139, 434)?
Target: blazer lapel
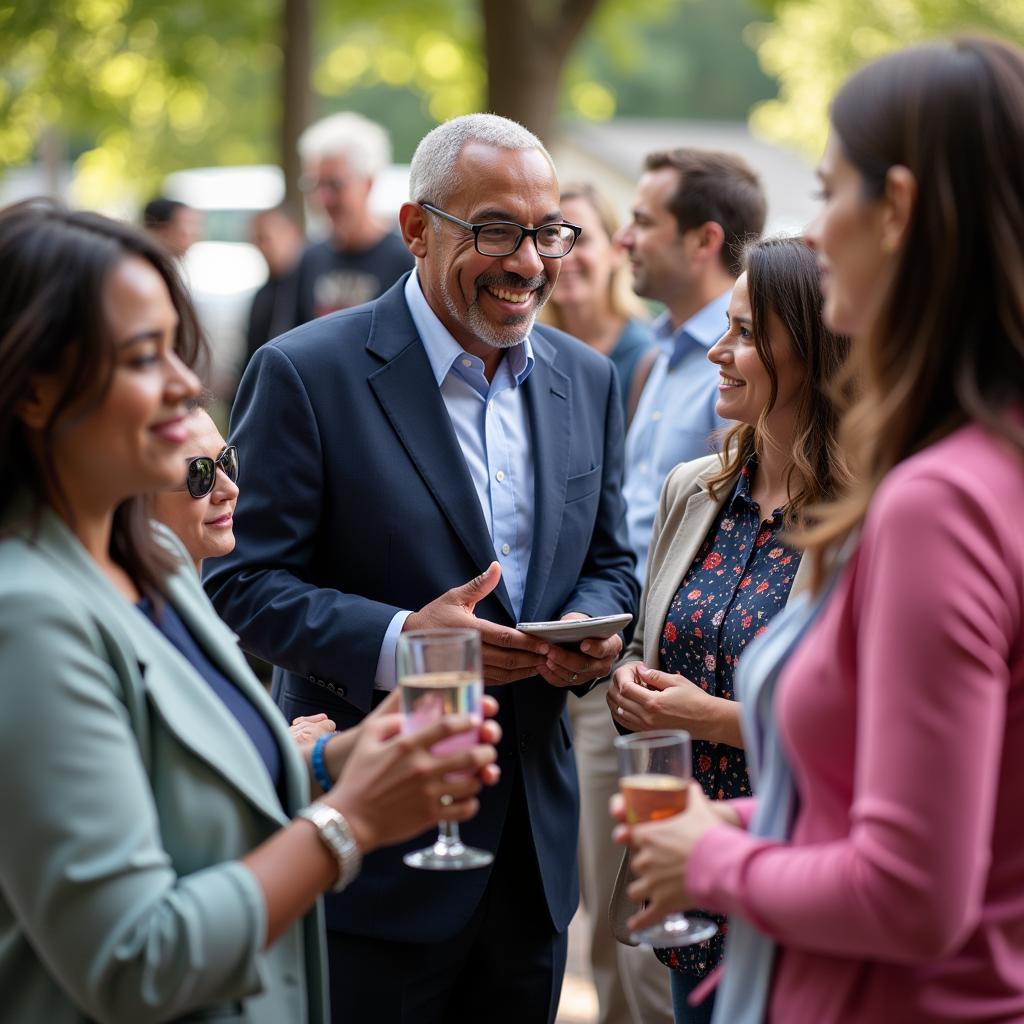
(549, 408)
(201, 722)
(700, 513)
(221, 646)
(412, 402)
(196, 716)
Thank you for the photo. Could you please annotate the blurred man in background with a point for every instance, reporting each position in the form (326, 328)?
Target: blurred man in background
(279, 240)
(692, 212)
(361, 257)
(175, 225)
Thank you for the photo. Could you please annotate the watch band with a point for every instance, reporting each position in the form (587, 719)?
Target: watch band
(336, 835)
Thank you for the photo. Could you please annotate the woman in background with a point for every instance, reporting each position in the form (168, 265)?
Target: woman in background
(594, 298)
(200, 510)
(896, 890)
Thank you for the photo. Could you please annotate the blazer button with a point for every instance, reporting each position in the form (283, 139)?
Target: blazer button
(341, 691)
(330, 686)
(312, 678)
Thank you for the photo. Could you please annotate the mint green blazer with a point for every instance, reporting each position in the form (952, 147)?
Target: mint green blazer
(128, 794)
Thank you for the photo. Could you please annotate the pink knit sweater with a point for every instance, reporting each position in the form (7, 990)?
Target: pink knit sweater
(901, 895)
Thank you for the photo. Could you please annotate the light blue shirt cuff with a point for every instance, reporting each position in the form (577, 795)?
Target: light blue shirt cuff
(387, 668)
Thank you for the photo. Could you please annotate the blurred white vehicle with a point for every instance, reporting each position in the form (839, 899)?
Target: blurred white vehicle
(225, 269)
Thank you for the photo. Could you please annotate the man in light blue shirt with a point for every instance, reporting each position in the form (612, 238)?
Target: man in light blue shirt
(493, 431)
(692, 212)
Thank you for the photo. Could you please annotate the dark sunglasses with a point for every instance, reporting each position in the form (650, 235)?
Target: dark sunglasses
(201, 473)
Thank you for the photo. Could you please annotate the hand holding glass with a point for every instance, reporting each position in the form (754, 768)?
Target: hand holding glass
(439, 674)
(654, 771)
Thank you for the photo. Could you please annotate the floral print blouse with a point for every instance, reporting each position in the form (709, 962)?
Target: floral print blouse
(741, 577)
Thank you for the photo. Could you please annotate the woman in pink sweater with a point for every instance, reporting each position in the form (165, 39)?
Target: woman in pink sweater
(894, 890)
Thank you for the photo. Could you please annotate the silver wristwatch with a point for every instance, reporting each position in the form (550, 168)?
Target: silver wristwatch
(336, 835)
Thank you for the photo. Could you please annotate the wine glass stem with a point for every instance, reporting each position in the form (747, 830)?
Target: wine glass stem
(448, 834)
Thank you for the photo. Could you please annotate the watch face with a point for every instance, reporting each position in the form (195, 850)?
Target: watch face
(337, 837)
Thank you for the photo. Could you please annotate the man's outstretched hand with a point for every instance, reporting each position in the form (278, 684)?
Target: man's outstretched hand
(508, 655)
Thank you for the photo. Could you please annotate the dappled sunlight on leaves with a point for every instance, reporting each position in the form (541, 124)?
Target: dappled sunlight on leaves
(592, 101)
(812, 47)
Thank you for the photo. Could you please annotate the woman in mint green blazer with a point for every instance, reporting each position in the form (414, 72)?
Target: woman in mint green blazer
(150, 869)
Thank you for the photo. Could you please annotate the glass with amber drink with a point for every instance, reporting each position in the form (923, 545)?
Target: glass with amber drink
(655, 769)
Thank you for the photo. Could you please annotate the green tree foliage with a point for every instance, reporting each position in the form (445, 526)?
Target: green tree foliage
(694, 60)
(141, 87)
(813, 45)
(137, 86)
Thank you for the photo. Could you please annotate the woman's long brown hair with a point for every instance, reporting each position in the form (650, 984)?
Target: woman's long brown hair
(783, 278)
(948, 347)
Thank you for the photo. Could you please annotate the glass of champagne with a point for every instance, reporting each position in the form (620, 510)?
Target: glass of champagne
(439, 673)
(654, 770)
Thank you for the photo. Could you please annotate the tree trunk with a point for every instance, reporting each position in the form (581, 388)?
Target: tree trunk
(526, 45)
(53, 157)
(297, 94)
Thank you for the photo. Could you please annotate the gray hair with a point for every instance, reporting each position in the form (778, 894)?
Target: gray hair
(432, 175)
(363, 143)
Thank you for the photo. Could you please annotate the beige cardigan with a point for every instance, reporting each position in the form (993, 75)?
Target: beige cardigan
(686, 512)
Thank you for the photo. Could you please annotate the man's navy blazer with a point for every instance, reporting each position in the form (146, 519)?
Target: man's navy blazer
(356, 503)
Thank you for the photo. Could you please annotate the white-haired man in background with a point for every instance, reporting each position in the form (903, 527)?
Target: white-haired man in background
(361, 258)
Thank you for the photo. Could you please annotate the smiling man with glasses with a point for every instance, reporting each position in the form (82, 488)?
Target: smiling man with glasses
(434, 437)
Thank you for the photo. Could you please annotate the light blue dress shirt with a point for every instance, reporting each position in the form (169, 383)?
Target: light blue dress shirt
(675, 417)
(493, 430)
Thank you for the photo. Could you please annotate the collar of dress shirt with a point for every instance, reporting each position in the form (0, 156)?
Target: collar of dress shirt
(741, 492)
(442, 349)
(704, 328)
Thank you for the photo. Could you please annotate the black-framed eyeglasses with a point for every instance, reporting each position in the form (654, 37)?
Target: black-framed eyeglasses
(201, 472)
(503, 237)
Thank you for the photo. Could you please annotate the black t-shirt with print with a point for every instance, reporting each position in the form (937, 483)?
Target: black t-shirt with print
(330, 279)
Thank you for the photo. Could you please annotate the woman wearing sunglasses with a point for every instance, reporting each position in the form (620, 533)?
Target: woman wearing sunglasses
(201, 513)
(167, 863)
(201, 510)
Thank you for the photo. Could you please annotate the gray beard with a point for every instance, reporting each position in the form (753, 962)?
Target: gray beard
(483, 328)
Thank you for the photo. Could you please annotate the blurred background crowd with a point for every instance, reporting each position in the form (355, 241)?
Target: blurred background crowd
(111, 103)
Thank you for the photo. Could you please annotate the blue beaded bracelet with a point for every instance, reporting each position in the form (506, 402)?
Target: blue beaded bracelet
(323, 780)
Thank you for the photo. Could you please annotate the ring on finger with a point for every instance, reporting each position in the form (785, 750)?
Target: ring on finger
(574, 677)
(446, 799)
(621, 712)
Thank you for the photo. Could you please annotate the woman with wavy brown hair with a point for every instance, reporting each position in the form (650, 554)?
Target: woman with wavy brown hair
(721, 564)
(887, 863)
